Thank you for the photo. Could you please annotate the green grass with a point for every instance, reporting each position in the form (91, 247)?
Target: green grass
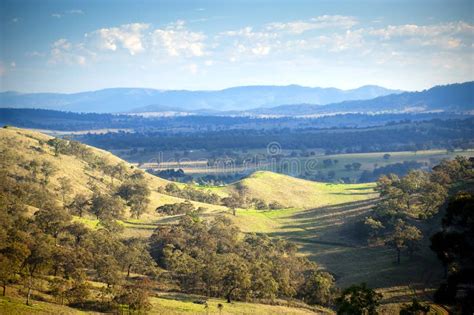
(172, 303)
(299, 193)
(296, 164)
(16, 306)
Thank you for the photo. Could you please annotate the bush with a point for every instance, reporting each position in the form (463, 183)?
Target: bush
(176, 208)
(274, 205)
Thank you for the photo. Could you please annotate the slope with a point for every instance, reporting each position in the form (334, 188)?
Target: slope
(28, 146)
(298, 193)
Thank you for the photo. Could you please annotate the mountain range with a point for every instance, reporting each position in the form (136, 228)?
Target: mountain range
(254, 101)
(119, 100)
(447, 98)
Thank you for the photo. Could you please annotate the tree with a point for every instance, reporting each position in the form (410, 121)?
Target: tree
(319, 288)
(136, 256)
(59, 288)
(454, 246)
(79, 289)
(47, 169)
(65, 187)
(79, 205)
(235, 276)
(232, 202)
(136, 296)
(57, 144)
(40, 251)
(117, 171)
(185, 207)
(404, 235)
(327, 163)
(356, 166)
(135, 192)
(52, 220)
(108, 270)
(415, 308)
(358, 300)
(106, 207)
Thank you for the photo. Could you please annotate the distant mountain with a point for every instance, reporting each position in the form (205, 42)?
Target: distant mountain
(144, 100)
(446, 98)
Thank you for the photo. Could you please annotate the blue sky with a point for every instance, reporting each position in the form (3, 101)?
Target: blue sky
(72, 46)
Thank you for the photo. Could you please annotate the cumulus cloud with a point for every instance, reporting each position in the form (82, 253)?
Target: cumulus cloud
(178, 43)
(128, 36)
(175, 40)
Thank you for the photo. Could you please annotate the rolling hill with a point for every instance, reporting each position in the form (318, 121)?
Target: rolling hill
(117, 100)
(299, 193)
(447, 98)
(319, 218)
(29, 145)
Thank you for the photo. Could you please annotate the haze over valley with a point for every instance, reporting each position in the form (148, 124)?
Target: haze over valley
(203, 157)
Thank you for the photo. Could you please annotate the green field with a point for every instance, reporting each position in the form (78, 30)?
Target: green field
(194, 163)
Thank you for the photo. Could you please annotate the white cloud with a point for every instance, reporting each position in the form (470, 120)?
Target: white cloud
(452, 28)
(261, 50)
(62, 14)
(319, 22)
(34, 54)
(13, 64)
(176, 41)
(15, 20)
(445, 36)
(62, 51)
(75, 11)
(128, 36)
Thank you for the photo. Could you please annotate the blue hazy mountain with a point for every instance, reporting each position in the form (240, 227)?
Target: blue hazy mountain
(447, 98)
(237, 98)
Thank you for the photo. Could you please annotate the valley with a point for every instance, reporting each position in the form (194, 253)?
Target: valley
(237, 157)
(321, 219)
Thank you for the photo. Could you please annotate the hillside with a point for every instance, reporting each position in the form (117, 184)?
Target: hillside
(237, 98)
(29, 145)
(293, 192)
(319, 218)
(268, 186)
(446, 98)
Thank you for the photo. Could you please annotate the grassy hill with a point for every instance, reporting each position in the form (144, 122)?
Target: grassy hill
(31, 145)
(300, 193)
(319, 217)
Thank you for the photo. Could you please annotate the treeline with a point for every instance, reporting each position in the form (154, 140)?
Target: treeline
(70, 121)
(398, 137)
(212, 259)
(399, 169)
(401, 220)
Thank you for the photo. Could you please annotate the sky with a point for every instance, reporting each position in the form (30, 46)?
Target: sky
(73, 46)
